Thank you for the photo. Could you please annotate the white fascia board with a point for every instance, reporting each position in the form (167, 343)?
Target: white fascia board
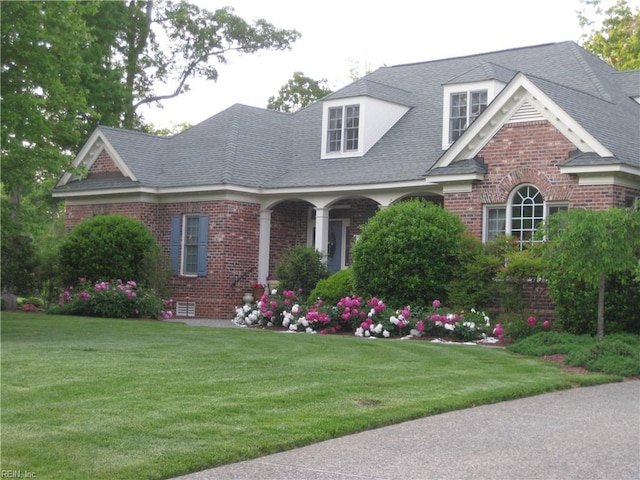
(247, 191)
(498, 113)
(463, 177)
(591, 169)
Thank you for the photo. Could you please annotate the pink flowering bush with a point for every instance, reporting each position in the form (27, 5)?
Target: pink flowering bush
(517, 327)
(116, 299)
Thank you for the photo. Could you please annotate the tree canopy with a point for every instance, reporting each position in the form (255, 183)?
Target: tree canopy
(298, 92)
(617, 37)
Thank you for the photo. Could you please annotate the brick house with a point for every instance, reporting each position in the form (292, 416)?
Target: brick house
(503, 139)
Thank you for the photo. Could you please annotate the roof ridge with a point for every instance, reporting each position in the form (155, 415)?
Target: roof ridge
(576, 51)
(481, 54)
(231, 146)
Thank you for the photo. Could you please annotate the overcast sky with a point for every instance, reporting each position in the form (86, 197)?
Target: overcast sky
(340, 35)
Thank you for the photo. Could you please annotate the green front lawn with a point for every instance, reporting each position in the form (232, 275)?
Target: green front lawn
(104, 399)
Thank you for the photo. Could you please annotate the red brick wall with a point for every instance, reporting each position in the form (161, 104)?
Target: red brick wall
(289, 221)
(144, 211)
(103, 164)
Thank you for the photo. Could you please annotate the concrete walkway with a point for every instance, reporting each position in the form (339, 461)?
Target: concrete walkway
(583, 433)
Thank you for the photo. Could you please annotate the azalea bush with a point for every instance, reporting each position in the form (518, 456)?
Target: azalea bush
(370, 318)
(116, 299)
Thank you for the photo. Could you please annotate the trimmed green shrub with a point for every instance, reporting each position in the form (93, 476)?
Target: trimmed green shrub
(333, 288)
(300, 269)
(105, 247)
(473, 284)
(408, 253)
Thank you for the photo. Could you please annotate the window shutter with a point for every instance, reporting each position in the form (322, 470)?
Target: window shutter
(176, 234)
(203, 244)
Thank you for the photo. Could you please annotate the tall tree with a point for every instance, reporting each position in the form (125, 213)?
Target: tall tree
(614, 33)
(298, 92)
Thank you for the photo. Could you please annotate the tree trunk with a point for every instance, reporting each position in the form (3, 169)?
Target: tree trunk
(601, 309)
(137, 36)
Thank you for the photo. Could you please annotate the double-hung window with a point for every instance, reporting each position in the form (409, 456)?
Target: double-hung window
(343, 129)
(464, 108)
(189, 243)
(523, 215)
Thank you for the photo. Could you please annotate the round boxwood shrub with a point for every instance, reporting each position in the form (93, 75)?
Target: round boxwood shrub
(408, 253)
(300, 269)
(333, 288)
(105, 247)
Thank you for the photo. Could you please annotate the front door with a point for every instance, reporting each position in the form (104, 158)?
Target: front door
(335, 250)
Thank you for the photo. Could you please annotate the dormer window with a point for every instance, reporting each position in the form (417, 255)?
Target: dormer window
(343, 130)
(465, 107)
(352, 125)
(462, 103)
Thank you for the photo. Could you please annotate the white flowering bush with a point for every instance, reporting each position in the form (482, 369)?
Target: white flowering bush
(465, 326)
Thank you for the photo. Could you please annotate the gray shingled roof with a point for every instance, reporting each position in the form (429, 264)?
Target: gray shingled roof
(255, 147)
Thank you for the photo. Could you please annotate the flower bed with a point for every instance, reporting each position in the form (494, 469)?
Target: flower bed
(115, 299)
(370, 318)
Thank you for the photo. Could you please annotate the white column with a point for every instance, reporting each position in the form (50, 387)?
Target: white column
(264, 245)
(322, 231)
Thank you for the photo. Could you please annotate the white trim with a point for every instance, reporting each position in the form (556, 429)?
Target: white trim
(590, 169)
(460, 187)
(607, 179)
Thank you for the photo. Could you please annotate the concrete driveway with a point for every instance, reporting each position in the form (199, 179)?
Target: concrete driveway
(583, 433)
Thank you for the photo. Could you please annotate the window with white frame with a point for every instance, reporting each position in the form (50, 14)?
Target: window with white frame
(343, 129)
(523, 215)
(464, 109)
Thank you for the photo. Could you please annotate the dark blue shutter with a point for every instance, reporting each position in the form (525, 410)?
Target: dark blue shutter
(176, 235)
(203, 244)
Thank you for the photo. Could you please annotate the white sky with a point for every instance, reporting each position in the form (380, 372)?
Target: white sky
(338, 35)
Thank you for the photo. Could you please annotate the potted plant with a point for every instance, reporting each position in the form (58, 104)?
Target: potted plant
(272, 283)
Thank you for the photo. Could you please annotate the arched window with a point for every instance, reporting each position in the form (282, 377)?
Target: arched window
(527, 213)
(521, 217)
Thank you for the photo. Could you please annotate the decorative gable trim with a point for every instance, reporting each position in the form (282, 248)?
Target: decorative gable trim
(501, 111)
(92, 149)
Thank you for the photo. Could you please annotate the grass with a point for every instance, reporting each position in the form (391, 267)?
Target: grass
(104, 399)
(618, 354)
